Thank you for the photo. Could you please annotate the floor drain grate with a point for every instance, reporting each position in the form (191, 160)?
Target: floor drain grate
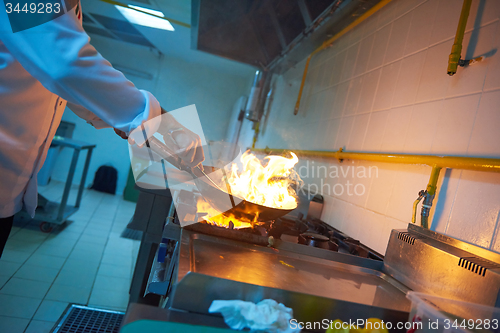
(84, 319)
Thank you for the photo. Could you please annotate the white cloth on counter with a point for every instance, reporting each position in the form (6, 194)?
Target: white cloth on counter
(40, 69)
(267, 315)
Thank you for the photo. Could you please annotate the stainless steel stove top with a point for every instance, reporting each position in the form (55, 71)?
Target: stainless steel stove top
(213, 268)
(319, 283)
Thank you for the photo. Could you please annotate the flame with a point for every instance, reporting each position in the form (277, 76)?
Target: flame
(265, 184)
(215, 217)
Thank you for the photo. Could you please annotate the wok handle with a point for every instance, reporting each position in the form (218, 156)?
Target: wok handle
(166, 153)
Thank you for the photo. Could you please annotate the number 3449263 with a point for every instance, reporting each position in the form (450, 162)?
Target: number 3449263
(33, 8)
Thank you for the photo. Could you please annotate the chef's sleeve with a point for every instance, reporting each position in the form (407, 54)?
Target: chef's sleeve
(59, 55)
(88, 116)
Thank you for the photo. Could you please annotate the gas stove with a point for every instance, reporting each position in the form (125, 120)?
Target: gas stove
(316, 233)
(317, 270)
(202, 262)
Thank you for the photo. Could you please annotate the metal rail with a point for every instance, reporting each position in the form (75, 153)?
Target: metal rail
(436, 162)
(452, 162)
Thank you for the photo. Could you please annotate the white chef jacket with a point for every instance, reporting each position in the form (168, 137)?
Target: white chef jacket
(40, 69)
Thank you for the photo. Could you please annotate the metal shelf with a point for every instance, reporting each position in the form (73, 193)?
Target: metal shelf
(57, 213)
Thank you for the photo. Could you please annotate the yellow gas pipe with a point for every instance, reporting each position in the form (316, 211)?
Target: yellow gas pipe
(436, 162)
(330, 41)
(456, 49)
(429, 194)
(452, 162)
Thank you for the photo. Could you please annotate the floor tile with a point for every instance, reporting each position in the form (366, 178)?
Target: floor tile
(71, 232)
(26, 288)
(8, 268)
(68, 294)
(38, 326)
(114, 259)
(56, 251)
(37, 273)
(44, 260)
(3, 280)
(75, 279)
(80, 266)
(94, 239)
(14, 231)
(17, 306)
(99, 232)
(70, 258)
(86, 246)
(15, 256)
(114, 271)
(22, 246)
(59, 241)
(13, 325)
(50, 310)
(90, 255)
(30, 236)
(112, 283)
(109, 298)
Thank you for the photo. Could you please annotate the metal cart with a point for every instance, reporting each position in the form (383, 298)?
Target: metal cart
(53, 213)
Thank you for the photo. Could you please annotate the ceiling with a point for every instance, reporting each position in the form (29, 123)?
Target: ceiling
(105, 20)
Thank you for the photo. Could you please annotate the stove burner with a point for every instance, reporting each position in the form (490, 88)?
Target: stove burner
(314, 232)
(313, 239)
(310, 232)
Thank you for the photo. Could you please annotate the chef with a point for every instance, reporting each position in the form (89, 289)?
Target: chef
(45, 68)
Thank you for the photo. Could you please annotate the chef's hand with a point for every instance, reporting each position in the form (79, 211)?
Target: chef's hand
(185, 144)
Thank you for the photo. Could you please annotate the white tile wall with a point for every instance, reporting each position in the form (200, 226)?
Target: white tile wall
(375, 131)
(421, 131)
(351, 103)
(399, 32)
(422, 21)
(445, 199)
(396, 129)
(454, 125)
(379, 46)
(383, 87)
(408, 79)
(370, 81)
(386, 86)
(485, 136)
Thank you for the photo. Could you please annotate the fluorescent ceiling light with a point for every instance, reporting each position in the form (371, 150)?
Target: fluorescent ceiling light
(144, 19)
(147, 10)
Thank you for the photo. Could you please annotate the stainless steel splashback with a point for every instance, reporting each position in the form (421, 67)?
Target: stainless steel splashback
(436, 264)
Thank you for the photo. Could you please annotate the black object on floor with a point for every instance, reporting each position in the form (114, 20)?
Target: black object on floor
(105, 179)
(84, 319)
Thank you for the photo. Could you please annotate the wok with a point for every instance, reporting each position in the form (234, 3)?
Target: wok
(220, 199)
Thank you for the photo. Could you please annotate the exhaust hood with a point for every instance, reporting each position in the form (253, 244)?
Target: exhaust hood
(270, 34)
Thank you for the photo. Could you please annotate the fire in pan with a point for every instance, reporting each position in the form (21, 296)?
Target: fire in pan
(222, 200)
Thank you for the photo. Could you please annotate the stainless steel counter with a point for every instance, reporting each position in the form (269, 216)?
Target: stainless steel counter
(316, 288)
